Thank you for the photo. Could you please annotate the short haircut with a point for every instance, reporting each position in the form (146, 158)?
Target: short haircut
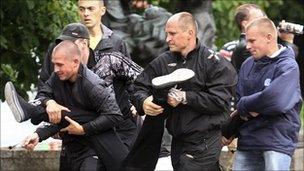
(242, 13)
(69, 48)
(187, 21)
(264, 24)
(101, 2)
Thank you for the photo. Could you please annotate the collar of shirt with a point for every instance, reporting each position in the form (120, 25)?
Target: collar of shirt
(106, 32)
(276, 53)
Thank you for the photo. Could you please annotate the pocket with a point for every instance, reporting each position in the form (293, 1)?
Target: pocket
(197, 151)
(187, 162)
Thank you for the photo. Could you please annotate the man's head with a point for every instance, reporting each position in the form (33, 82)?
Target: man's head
(66, 60)
(181, 30)
(245, 13)
(261, 37)
(79, 34)
(91, 12)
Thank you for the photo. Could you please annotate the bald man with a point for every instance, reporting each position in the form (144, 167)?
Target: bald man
(89, 141)
(194, 109)
(269, 101)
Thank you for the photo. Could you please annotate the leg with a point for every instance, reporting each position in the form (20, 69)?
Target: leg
(248, 160)
(21, 109)
(276, 160)
(64, 163)
(109, 148)
(145, 151)
(91, 163)
(127, 131)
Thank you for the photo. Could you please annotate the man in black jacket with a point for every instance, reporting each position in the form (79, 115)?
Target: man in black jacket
(103, 40)
(90, 104)
(109, 58)
(194, 110)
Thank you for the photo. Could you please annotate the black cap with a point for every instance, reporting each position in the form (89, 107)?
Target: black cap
(74, 31)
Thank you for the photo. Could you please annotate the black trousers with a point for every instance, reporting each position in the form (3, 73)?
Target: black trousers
(144, 154)
(205, 149)
(127, 130)
(81, 159)
(101, 151)
(197, 153)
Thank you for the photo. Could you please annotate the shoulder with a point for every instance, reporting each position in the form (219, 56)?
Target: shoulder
(165, 57)
(115, 39)
(90, 79)
(213, 62)
(287, 59)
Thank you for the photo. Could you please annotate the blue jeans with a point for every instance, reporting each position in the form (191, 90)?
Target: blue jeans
(261, 160)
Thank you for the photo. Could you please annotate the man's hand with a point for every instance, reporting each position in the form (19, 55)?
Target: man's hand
(30, 141)
(175, 97)
(74, 127)
(288, 37)
(234, 113)
(53, 109)
(151, 108)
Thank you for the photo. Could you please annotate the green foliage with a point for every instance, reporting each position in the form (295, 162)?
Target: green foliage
(27, 28)
(223, 12)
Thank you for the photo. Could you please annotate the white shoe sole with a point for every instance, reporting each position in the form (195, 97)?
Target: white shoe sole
(12, 101)
(177, 76)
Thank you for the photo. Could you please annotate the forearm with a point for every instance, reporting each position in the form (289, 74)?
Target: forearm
(47, 131)
(207, 103)
(102, 123)
(280, 96)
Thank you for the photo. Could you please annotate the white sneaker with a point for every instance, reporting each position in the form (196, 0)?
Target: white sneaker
(177, 76)
(13, 101)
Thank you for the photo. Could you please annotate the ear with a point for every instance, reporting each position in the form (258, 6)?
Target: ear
(191, 32)
(103, 10)
(244, 23)
(76, 61)
(269, 37)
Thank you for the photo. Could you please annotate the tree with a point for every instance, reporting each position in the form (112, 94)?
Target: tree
(27, 28)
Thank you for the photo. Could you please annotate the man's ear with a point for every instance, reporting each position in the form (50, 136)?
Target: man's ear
(103, 10)
(244, 24)
(269, 37)
(76, 61)
(191, 32)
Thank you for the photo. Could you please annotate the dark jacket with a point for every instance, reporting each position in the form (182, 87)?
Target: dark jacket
(270, 87)
(208, 93)
(110, 42)
(88, 93)
(119, 73)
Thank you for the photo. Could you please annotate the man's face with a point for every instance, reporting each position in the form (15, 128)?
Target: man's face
(90, 12)
(83, 46)
(177, 38)
(64, 67)
(256, 42)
